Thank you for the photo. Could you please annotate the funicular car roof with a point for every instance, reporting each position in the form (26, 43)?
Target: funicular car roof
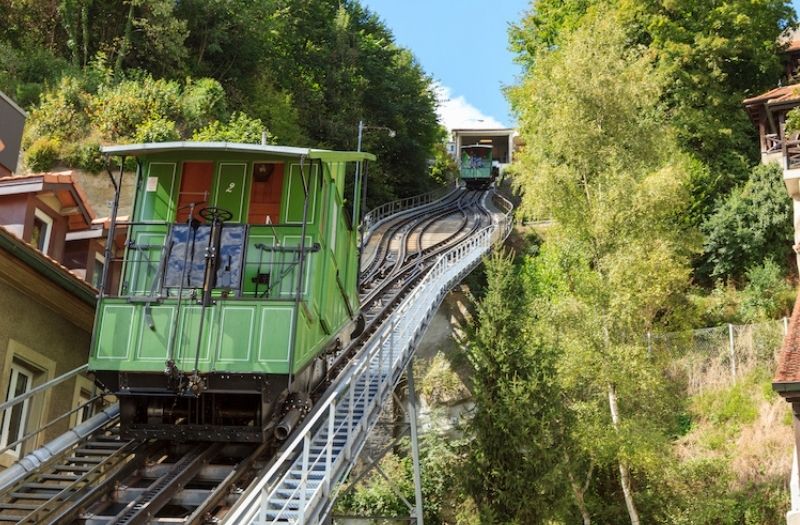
(135, 150)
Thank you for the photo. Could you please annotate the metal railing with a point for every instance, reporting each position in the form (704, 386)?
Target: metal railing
(379, 215)
(300, 484)
(256, 262)
(17, 444)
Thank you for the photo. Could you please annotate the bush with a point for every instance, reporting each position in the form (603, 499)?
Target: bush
(765, 295)
(43, 154)
(203, 100)
(157, 130)
(60, 114)
(240, 128)
(117, 111)
(86, 156)
(753, 224)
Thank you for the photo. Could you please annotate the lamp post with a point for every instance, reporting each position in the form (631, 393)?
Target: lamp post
(361, 127)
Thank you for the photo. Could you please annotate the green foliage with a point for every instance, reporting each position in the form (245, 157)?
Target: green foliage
(615, 262)
(753, 224)
(731, 406)
(83, 112)
(240, 128)
(517, 429)
(444, 169)
(441, 385)
(60, 114)
(84, 155)
(766, 293)
(202, 100)
(309, 70)
(710, 54)
(25, 72)
(156, 129)
(42, 154)
(440, 460)
(118, 110)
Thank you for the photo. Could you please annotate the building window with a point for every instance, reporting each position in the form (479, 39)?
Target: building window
(97, 270)
(85, 391)
(85, 411)
(15, 418)
(42, 227)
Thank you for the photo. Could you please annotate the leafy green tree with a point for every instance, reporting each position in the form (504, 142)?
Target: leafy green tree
(513, 471)
(715, 54)
(767, 295)
(710, 54)
(240, 128)
(753, 224)
(601, 160)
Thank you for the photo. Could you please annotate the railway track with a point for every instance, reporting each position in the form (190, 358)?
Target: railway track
(106, 479)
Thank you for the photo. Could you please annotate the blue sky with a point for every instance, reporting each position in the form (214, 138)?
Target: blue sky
(463, 44)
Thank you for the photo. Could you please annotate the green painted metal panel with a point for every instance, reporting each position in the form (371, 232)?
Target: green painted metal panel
(294, 196)
(275, 330)
(115, 339)
(143, 259)
(186, 346)
(236, 333)
(153, 340)
(260, 262)
(229, 189)
(341, 156)
(158, 192)
(288, 265)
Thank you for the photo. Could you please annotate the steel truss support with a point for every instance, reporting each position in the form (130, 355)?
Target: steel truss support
(373, 462)
(411, 403)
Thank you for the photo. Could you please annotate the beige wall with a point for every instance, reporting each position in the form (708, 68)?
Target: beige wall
(49, 344)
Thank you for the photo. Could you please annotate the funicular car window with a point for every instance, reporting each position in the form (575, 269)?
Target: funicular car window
(186, 260)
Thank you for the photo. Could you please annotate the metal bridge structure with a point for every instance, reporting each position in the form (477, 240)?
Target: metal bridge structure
(92, 475)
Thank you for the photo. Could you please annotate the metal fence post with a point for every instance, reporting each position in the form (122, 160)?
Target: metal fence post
(732, 350)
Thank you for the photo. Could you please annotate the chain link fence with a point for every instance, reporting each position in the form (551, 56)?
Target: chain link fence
(717, 356)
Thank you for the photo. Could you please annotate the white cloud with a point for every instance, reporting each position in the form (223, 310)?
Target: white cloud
(456, 112)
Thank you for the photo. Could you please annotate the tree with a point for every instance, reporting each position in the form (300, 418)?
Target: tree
(601, 160)
(711, 55)
(515, 455)
(751, 225)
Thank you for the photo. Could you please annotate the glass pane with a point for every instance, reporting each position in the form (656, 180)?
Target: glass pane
(16, 420)
(38, 233)
(230, 260)
(186, 260)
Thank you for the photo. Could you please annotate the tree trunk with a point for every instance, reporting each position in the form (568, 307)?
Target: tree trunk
(579, 492)
(624, 473)
(126, 38)
(86, 31)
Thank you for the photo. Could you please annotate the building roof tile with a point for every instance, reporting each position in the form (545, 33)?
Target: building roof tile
(70, 194)
(788, 371)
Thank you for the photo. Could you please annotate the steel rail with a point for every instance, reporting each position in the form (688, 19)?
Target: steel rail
(439, 259)
(323, 449)
(377, 216)
(400, 222)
